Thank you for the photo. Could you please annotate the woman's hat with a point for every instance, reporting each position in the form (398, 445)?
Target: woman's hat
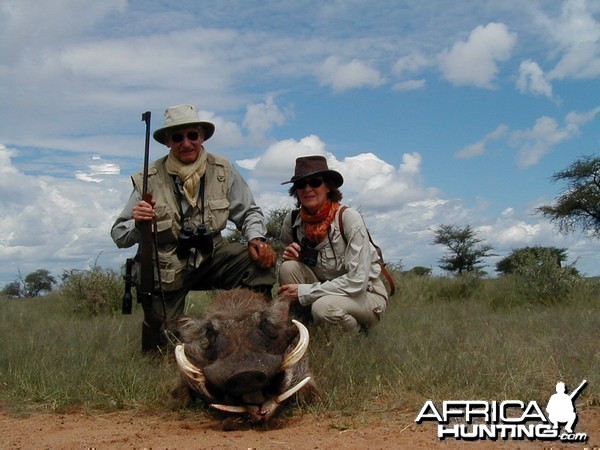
(307, 166)
(178, 116)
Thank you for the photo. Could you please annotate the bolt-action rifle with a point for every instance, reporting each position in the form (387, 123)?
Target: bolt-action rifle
(146, 249)
(145, 285)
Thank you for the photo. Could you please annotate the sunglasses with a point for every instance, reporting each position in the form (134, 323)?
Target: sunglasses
(312, 182)
(191, 135)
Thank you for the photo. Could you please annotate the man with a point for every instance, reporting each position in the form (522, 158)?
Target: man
(194, 194)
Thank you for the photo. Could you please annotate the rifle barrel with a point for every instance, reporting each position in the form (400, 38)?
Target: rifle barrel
(578, 389)
(146, 245)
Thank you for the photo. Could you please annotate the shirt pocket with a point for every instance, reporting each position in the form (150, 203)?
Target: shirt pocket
(219, 213)
(330, 260)
(171, 271)
(165, 232)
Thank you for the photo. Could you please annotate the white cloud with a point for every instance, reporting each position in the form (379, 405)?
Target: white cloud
(369, 182)
(412, 63)
(577, 34)
(479, 148)
(351, 75)
(475, 61)
(575, 119)
(30, 27)
(376, 186)
(261, 118)
(6, 166)
(471, 151)
(54, 223)
(532, 79)
(533, 144)
(277, 162)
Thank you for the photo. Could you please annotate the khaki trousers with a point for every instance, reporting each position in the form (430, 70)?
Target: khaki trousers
(351, 313)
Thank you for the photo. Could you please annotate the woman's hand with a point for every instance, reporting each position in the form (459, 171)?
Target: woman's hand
(292, 252)
(289, 292)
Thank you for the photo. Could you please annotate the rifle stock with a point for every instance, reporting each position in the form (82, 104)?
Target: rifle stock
(146, 245)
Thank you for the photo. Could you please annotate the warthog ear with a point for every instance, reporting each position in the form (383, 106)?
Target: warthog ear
(190, 329)
(186, 327)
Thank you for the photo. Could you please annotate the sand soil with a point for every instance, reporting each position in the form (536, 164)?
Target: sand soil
(126, 430)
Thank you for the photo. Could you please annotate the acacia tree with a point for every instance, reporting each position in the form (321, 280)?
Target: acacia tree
(37, 282)
(33, 285)
(578, 206)
(466, 250)
(537, 255)
(12, 290)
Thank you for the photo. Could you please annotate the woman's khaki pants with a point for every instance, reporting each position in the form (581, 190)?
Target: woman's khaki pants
(349, 312)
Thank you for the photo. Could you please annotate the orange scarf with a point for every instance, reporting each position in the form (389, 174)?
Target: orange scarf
(316, 226)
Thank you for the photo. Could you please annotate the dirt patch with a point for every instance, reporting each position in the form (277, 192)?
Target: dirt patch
(136, 431)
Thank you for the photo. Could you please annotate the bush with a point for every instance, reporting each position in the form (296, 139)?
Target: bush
(93, 292)
(541, 280)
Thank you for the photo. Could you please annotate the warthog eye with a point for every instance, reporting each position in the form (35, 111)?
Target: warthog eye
(269, 328)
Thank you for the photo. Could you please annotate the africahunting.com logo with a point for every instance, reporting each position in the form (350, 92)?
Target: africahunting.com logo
(510, 419)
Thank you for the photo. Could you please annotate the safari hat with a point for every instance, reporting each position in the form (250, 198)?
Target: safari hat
(308, 166)
(178, 116)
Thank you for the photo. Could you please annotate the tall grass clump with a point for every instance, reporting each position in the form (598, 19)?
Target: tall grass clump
(94, 291)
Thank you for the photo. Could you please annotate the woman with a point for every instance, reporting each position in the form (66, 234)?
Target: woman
(335, 276)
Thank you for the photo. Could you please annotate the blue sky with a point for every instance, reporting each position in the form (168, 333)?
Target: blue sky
(435, 112)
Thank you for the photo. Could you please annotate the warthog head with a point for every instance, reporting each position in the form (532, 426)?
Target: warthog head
(244, 355)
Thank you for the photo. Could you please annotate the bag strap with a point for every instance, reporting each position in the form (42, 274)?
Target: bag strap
(295, 213)
(381, 262)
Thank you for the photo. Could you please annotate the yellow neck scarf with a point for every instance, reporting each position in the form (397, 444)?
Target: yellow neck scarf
(189, 174)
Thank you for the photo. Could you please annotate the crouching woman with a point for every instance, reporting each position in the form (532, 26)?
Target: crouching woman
(330, 268)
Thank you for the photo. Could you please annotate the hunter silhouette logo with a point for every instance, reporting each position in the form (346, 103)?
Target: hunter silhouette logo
(509, 419)
(561, 408)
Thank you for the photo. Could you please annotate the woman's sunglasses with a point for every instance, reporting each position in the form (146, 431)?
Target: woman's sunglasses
(312, 182)
(191, 135)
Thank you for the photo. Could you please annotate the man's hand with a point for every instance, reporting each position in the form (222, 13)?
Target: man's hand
(143, 211)
(262, 252)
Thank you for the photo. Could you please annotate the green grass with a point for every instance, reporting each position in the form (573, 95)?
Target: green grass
(440, 339)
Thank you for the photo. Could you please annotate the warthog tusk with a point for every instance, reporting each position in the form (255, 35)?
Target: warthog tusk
(287, 394)
(292, 358)
(230, 408)
(193, 373)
